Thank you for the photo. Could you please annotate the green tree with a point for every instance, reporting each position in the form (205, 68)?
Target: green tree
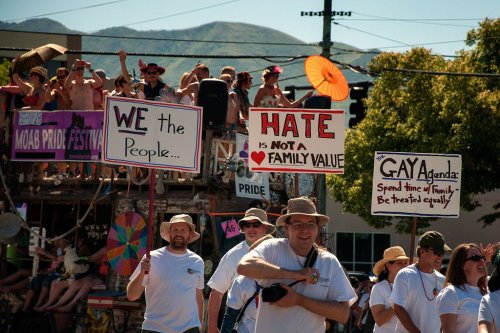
(426, 113)
(4, 72)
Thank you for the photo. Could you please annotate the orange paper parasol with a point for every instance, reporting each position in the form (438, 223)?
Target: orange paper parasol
(326, 78)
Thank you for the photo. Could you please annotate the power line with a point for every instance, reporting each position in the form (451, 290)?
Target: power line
(410, 20)
(416, 71)
(65, 11)
(372, 34)
(182, 13)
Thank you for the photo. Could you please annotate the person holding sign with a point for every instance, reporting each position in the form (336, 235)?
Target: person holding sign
(302, 285)
(458, 303)
(416, 287)
(174, 282)
(270, 95)
(254, 225)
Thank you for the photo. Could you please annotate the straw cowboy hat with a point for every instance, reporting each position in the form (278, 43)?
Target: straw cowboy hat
(258, 214)
(181, 218)
(391, 254)
(301, 206)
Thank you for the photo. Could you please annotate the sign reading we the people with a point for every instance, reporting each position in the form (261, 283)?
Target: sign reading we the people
(416, 184)
(152, 134)
(57, 136)
(296, 140)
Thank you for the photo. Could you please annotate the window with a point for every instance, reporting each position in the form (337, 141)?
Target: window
(360, 251)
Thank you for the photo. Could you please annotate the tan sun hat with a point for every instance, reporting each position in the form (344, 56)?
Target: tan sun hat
(301, 206)
(258, 214)
(181, 218)
(391, 254)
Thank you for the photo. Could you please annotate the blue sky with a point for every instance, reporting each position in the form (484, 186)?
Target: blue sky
(393, 25)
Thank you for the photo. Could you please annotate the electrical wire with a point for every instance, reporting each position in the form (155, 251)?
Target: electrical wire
(416, 20)
(370, 33)
(64, 11)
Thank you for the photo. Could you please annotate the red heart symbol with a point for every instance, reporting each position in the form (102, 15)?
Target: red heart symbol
(258, 157)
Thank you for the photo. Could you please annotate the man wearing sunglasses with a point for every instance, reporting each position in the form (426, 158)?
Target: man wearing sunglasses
(253, 225)
(315, 285)
(152, 84)
(416, 287)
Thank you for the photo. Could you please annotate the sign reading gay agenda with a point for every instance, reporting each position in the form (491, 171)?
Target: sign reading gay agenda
(152, 134)
(296, 140)
(415, 184)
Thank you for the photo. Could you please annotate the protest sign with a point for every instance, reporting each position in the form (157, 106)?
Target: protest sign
(296, 140)
(415, 184)
(248, 184)
(152, 134)
(57, 136)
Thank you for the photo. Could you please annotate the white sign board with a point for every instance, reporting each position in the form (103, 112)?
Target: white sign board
(152, 134)
(249, 184)
(296, 140)
(415, 184)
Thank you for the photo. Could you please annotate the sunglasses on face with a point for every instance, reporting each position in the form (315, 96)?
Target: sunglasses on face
(151, 73)
(476, 258)
(250, 224)
(228, 81)
(436, 253)
(79, 68)
(60, 77)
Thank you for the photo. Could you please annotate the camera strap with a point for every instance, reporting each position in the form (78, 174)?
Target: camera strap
(310, 261)
(240, 315)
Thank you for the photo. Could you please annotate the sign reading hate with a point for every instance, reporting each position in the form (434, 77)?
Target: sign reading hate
(415, 184)
(296, 140)
(152, 134)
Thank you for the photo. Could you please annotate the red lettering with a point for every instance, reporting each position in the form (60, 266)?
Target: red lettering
(322, 127)
(290, 126)
(275, 124)
(308, 117)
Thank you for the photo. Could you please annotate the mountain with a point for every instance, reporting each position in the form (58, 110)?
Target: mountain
(152, 42)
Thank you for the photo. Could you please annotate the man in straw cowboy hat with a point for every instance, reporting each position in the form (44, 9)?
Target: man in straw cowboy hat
(253, 225)
(415, 288)
(174, 287)
(323, 290)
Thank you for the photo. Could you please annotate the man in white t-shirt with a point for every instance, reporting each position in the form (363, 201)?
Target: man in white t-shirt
(416, 286)
(489, 309)
(254, 225)
(322, 291)
(174, 282)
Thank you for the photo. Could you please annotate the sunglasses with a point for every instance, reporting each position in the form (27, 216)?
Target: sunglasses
(228, 81)
(436, 253)
(79, 68)
(476, 258)
(245, 224)
(151, 73)
(60, 77)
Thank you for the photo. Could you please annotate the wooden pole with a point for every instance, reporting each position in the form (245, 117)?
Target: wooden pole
(152, 178)
(413, 234)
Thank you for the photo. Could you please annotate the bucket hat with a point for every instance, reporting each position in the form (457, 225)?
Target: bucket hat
(181, 218)
(301, 206)
(258, 214)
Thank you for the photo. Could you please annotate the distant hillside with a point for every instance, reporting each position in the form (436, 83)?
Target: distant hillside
(224, 31)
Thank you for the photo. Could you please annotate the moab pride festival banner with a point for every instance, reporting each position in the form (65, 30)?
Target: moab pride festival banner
(296, 140)
(415, 184)
(57, 136)
(152, 134)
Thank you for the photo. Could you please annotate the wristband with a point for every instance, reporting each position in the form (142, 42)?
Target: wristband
(91, 70)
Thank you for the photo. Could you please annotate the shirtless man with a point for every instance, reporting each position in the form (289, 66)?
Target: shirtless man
(81, 90)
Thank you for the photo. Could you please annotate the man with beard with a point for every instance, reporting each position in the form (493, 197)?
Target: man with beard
(174, 282)
(416, 286)
(254, 225)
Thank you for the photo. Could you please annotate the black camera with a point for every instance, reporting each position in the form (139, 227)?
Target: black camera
(273, 293)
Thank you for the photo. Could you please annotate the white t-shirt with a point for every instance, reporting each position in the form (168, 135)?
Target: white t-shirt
(380, 295)
(463, 302)
(171, 305)
(489, 310)
(241, 290)
(332, 285)
(225, 273)
(408, 292)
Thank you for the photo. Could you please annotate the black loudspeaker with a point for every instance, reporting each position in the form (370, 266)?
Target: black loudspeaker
(212, 96)
(318, 102)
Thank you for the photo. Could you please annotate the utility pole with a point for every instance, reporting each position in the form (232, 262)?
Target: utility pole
(327, 28)
(326, 44)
